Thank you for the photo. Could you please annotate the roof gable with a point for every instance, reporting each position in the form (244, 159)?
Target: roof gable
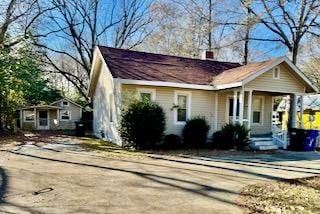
(65, 99)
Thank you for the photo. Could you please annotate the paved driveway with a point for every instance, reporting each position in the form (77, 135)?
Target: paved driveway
(64, 178)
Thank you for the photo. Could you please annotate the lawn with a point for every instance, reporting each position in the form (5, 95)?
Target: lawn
(296, 196)
(108, 149)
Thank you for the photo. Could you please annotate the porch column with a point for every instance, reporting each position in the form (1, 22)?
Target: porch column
(293, 111)
(35, 117)
(57, 117)
(301, 111)
(241, 106)
(249, 110)
(235, 102)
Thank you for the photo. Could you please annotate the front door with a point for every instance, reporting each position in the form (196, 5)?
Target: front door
(43, 122)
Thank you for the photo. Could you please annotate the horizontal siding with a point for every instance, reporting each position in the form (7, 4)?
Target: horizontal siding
(287, 83)
(202, 104)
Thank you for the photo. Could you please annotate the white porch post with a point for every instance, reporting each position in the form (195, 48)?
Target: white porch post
(235, 102)
(241, 106)
(293, 111)
(35, 118)
(249, 110)
(301, 111)
(57, 117)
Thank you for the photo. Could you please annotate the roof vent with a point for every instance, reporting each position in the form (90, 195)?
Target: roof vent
(207, 55)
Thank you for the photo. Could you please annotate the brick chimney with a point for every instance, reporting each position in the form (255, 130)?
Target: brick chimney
(207, 55)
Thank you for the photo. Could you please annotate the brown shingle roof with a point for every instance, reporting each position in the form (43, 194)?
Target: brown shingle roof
(127, 64)
(240, 73)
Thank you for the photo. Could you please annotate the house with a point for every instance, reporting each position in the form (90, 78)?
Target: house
(310, 113)
(222, 92)
(59, 115)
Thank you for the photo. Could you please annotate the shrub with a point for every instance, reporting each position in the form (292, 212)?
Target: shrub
(231, 136)
(195, 132)
(142, 124)
(171, 142)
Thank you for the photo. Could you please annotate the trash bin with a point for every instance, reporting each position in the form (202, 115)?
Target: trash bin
(297, 139)
(80, 129)
(311, 140)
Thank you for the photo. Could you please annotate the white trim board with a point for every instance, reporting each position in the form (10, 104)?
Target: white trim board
(164, 84)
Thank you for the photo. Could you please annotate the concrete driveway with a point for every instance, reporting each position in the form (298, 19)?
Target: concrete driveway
(64, 178)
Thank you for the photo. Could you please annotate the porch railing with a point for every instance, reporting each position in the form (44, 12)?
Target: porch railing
(280, 137)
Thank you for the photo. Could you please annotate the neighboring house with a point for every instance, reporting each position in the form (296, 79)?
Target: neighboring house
(310, 115)
(59, 115)
(222, 92)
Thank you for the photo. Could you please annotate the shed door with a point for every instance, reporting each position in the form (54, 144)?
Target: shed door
(43, 122)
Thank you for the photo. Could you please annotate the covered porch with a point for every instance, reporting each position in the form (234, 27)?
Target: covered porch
(254, 109)
(43, 117)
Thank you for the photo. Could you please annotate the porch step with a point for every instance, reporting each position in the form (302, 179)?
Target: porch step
(253, 139)
(263, 143)
(270, 147)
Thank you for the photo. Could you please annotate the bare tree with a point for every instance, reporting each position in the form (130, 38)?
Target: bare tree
(17, 18)
(311, 69)
(134, 26)
(75, 27)
(288, 21)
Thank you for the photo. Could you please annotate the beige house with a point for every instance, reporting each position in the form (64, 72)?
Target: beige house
(59, 115)
(222, 92)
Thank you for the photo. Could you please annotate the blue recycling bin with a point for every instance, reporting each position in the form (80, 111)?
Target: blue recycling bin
(311, 140)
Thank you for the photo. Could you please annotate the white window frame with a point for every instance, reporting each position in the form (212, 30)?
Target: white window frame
(65, 105)
(175, 101)
(60, 116)
(24, 116)
(262, 110)
(277, 68)
(151, 91)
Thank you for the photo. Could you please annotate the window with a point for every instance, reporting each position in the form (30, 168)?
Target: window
(28, 116)
(257, 110)
(147, 94)
(110, 107)
(182, 110)
(65, 103)
(312, 117)
(276, 73)
(65, 115)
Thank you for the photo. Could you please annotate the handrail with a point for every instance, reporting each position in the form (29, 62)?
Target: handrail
(280, 137)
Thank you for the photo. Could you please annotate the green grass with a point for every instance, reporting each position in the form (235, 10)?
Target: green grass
(296, 196)
(109, 149)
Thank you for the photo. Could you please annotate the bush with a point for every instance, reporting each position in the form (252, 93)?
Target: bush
(195, 132)
(171, 142)
(231, 136)
(142, 124)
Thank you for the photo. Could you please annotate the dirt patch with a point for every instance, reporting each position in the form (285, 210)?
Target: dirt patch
(288, 196)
